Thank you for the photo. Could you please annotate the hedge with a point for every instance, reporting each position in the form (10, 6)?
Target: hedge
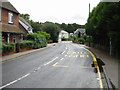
(8, 47)
(26, 44)
(38, 40)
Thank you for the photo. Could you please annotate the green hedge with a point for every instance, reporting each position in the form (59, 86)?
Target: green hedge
(38, 40)
(8, 47)
(26, 44)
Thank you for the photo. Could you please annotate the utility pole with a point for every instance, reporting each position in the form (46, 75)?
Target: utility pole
(89, 10)
(89, 17)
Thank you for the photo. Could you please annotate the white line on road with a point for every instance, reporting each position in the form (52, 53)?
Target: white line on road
(63, 52)
(50, 61)
(26, 75)
(15, 81)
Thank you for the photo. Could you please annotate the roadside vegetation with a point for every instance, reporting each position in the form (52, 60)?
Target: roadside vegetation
(104, 26)
(32, 41)
(52, 28)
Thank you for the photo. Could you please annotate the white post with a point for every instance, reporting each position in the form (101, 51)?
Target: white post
(110, 47)
(8, 38)
(21, 36)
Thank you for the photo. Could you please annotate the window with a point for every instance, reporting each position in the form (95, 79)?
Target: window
(14, 39)
(10, 17)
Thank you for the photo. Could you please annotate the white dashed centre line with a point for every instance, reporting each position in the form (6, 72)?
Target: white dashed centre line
(50, 61)
(15, 81)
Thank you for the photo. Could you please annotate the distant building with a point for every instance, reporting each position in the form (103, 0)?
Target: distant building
(80, 32)
(63, 35)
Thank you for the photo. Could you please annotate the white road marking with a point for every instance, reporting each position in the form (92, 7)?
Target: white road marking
(15, 81)
(50, 61)
(26, 75)
(63, 52)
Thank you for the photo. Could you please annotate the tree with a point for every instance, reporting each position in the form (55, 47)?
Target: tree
(25, 16)
(36, 26)
(53, 30)
(103, 25)
(63, 26)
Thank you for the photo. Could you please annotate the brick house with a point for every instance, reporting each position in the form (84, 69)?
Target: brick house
(9, 21)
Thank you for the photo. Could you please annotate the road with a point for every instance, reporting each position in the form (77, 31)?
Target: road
(65, 65)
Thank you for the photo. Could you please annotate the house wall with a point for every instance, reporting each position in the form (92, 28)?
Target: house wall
(4, 17)
(11, 37)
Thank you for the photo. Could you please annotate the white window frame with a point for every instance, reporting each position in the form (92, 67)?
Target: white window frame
(10, 17)
(14, 39)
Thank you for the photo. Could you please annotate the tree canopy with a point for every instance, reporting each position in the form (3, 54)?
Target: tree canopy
(103, 25)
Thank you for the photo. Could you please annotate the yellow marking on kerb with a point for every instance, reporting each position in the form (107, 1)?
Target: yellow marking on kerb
(96, 65)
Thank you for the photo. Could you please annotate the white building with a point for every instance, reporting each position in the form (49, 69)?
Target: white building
(81, 31)
(63, 35)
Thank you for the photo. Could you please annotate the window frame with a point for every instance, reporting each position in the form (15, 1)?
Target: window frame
(10, 17)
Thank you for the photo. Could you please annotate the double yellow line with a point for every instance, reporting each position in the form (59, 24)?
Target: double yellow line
(96, 65)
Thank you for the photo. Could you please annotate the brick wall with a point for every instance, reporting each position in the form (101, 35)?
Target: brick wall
(5, 17)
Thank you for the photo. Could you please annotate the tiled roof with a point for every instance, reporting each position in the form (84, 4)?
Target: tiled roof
(11, 28)
(8, 6)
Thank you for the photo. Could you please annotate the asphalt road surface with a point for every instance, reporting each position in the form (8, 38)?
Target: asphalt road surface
(65, 65)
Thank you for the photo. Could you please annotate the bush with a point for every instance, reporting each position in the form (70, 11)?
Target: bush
(8, 47)
(38, 40)
(26, 44)
(81, 40)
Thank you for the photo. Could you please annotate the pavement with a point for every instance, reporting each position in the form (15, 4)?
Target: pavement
(111, 64)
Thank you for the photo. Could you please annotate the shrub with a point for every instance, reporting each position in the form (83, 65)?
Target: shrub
(38, 40)
(26, 44)
(8, 47)
(81, 40)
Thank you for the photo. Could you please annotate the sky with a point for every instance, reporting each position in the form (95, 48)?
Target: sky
(57, 11)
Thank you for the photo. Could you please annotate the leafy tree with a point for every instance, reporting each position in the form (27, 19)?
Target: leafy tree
(53, 30)
(63, 26)
(36, 26)
(103, 25)
(25, 16)
(47, 35)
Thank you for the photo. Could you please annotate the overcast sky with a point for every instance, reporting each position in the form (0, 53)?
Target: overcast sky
(60, 11)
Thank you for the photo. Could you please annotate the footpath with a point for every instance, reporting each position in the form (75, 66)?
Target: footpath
(8, 57)
(111, 65)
